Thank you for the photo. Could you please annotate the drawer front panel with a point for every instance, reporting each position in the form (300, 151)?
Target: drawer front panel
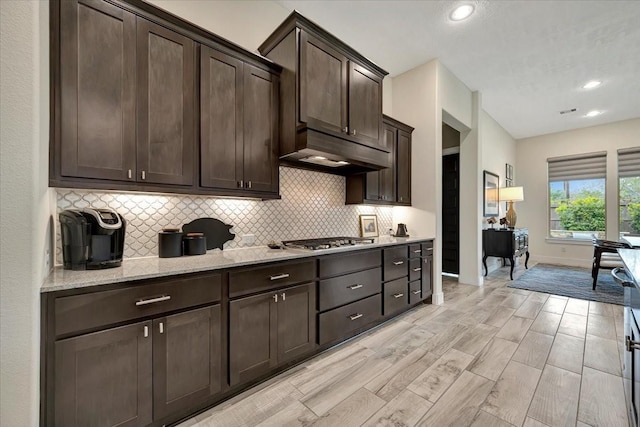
(395, 263)
(339, 323)
(395, 296)
(427, 248)
(415, 292)
(415, 268)
(415, 250)
(350, 287)
(244, 282)
(344, 263)
(87, 311)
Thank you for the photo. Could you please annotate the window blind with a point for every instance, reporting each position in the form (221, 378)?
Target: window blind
(629, 162)
(584, 166)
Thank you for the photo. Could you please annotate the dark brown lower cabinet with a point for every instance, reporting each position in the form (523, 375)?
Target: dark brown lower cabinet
(270, 328)
(186, 359)
(427, 276)
(105, 378)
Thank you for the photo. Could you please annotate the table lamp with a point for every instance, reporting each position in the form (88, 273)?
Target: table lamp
(511, 194)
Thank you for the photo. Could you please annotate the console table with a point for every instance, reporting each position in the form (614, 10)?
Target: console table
(505, 243)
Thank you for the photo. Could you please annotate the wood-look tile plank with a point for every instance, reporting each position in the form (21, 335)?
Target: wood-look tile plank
(515, 329)
(406, 409)
(493, 358)
(514, 301)
(422, 313)
(474, 340)
(499, 316)
(510, 398)
(555, 401)
(378, 338)
(459, 405)
(555, 305)
(473, 317)
(443, 341)
(573, 324)
(529, 309)
(534, 349)
(394, 380)
(433, 382)
(296, 414)
(354, 410)
(601, 326)
(530, 422)
(602, 400)
(546, 323)
(484, 419)
(404, 344)
(602, 354)
(600, 308)
(577, 306)
(538, 297)
(567, 353)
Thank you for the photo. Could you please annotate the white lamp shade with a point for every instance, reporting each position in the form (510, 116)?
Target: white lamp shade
(511, 194)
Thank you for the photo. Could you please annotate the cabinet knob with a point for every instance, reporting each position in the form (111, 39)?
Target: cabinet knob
(241, 184)
(284, 296)
(146, 331)
(346, 130)
(161, 327)
(249, 184)
(353, 132)
(275, 298)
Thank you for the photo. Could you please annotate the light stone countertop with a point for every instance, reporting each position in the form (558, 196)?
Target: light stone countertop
(631, 259)
(153, 267)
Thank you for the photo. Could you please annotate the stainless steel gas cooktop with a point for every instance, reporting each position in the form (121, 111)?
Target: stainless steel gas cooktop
(327, 243)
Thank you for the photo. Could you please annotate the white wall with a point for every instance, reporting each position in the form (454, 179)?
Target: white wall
(24, 203)
(531, 173)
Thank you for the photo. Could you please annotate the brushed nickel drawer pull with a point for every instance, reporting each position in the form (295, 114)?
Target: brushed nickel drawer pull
(161, 327)
(417, 292)
(241, 184)
(356, 316)
(417, 269)
(396, 296)
(153, 300)
(146, 331)
(429, 249)
(144, 175)
(279, 276)
(417, 251)
(284, 296)
(129, 174)
(275, 297)
(398, 262)
(354, 287)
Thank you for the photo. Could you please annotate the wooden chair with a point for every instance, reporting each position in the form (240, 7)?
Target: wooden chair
(605, 255)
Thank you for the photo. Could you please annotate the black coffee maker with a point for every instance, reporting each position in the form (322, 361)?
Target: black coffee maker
(91, 238)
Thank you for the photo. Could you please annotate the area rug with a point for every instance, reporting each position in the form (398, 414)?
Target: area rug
(571, 282)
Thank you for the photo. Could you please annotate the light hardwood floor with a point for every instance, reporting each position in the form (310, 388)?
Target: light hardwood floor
(489, 356)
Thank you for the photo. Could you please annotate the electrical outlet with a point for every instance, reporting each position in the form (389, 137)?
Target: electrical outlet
(248, 239)
(563, 249)
(47, 259)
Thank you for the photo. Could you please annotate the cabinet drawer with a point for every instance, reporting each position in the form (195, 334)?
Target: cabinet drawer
(343, 263)
(244, 282)
(350, 287)
(395, 263)
(415, 250)
(427, 248)
(415, 268)
(339, 323)
(395, 296)
(415, 292)
(87, 311)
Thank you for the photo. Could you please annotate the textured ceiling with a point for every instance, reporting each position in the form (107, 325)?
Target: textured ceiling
(529, 59)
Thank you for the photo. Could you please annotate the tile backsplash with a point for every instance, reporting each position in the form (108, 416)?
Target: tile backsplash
(312, 205)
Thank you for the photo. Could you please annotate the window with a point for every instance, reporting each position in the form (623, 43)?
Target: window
(577, 196)
(629, 191)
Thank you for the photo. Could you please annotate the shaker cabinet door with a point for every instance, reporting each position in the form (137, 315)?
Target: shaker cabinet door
(388, 175)
(427, 276)
(166, 98)
(221, 120)
(104, 379)
(296, 321)
(365, 105)
(97, 93)
(404, 167)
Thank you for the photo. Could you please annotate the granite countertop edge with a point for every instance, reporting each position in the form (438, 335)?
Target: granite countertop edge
(134, 269)
(631, 259)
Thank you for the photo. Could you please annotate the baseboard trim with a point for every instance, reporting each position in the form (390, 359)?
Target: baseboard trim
(569, 262)
(437, 298)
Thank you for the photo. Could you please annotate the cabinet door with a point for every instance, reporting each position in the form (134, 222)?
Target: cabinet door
(296, 321)
(186, 359)
(252, 337)
(372, 186)
(260, 129)
(404, 167)
(323, 86)
(220, 119)
(104, 378)
(427, 276)
(97, 76)
(365, 105)
(166, 98)
(388, 175)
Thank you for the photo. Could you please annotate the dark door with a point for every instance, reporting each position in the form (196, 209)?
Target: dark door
(252, 337)
(166, 101)
(104, 378)
(260, 129)
(404, 167)
(97, 72)
(451, 213)
(296, 321)
(427, 276)
(186, 359)
(365, 104)
(387, 186)
(221, 119)
(323, 86)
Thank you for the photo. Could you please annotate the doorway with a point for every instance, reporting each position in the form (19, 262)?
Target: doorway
(450, 200)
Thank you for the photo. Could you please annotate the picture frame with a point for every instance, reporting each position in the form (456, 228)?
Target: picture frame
(490, 188)
(369, 226)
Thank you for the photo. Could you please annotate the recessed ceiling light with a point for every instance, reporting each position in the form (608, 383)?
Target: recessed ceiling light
(593, 113)
(592, 84)
(461, 12)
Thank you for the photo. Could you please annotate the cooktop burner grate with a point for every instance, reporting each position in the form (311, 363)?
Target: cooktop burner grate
(327, 243)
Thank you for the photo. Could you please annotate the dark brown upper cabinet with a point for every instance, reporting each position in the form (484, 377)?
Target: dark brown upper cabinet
(390, 186)
(126, 104)
(331, 100)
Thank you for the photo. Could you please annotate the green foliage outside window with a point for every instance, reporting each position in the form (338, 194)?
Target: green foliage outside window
(634, 214)
(582, 214)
